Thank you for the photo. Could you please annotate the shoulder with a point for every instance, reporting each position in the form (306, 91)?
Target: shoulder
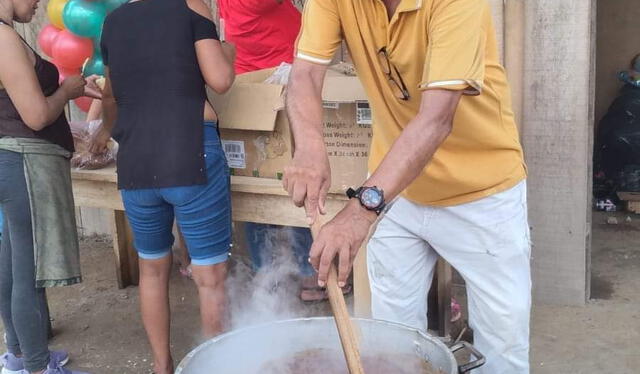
(200, 7)
(10, 43)
(8, 36)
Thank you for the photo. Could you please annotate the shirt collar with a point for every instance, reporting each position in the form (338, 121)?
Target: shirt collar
(409, 5)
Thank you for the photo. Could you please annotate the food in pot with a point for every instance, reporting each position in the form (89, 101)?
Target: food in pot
(327, 361)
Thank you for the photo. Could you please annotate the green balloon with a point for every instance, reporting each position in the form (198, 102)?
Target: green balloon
(84, 17)
(112, 5)
(94, 66)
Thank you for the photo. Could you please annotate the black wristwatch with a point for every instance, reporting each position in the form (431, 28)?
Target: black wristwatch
(371, 198)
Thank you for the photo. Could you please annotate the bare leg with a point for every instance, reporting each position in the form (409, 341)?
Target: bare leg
(210, 281)
(154, 304)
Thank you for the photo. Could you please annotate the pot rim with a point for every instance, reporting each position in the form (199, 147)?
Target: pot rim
(436, 340)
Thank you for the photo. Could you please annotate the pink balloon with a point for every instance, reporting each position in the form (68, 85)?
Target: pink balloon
(71, 51)
(47, 37)
(84, 103)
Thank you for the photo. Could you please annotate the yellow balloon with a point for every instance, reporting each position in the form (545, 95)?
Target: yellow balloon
(54, 11)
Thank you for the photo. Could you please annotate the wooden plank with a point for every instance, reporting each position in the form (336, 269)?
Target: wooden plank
(556, 133)
(273, 209)
(88, 193)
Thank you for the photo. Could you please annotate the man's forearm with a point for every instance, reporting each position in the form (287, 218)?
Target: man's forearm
(304, 108)
(415, 147)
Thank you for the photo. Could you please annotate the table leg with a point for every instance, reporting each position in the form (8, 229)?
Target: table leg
(444, 280)
(126, 256)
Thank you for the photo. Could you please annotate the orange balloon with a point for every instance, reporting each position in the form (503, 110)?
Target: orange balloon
(54, 11)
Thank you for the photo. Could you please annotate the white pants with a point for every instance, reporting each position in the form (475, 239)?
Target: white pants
(487, 242)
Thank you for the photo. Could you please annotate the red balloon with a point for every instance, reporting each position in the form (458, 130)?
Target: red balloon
(47, 37)
(84, 103)
(71, 51)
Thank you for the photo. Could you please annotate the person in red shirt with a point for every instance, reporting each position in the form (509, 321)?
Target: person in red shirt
(263, 31)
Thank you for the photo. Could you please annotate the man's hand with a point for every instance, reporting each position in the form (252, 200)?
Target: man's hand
(92, 88)
(100, 140)
(307, 180)
(343, 237)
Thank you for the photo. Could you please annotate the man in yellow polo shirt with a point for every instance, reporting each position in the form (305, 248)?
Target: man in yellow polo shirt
(447, 170)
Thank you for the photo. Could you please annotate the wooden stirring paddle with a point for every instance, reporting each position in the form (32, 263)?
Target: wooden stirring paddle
(348, 337)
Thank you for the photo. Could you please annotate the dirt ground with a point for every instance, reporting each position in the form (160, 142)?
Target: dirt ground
(100, 325)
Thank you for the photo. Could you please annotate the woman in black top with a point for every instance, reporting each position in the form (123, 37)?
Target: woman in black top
(32, 128)
(159, 55)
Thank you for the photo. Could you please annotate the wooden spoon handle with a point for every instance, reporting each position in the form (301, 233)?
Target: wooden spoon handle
(348, 337)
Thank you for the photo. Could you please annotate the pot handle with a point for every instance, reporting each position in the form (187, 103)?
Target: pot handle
(479, 357)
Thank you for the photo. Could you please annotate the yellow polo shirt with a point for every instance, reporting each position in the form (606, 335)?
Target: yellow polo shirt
(434, 44)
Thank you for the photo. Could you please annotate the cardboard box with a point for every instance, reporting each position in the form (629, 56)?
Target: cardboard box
(257, 138)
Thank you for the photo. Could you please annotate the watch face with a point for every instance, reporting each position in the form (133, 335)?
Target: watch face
(371, 198)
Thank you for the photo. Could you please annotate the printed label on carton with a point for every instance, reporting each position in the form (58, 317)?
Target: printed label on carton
(363, 113)
(235, 153)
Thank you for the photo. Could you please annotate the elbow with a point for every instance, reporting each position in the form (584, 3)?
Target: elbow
(222, 86)
(36, 120)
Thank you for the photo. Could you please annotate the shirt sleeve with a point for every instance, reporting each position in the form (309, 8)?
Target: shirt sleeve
(456, 52)
(103, 43)
(321, 33)
(203, 28)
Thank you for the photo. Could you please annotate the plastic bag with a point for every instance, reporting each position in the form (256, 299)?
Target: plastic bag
(281, 75)
(83, 132)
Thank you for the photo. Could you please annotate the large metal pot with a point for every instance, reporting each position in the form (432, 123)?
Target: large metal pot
(245, 351)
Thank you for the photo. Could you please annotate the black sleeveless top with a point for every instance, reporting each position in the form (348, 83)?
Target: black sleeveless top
(11, 124)
(148, 46)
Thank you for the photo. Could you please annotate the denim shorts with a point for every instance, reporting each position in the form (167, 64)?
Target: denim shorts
(203, 212)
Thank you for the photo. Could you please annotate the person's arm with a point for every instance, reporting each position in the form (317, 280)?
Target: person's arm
(109, 116)
(19, 80)
(308, 178)
(216, 60)
(408, 156)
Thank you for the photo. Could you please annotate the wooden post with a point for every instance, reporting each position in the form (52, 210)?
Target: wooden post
(557, 133)
(444, 279)
(514, 53)
(126, 256)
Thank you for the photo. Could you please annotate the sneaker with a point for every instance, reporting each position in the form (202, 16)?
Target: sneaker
(15, 365)
(61, 370)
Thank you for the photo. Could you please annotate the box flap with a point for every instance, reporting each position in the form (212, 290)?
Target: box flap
(248, 106)
(258, 76)
(342, 88)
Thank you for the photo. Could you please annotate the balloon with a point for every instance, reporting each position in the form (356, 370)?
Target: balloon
(47, 37)
(93, 66)
(84, 18)
(54, 11)
(112, 5)
(71, 51)
(84, 103)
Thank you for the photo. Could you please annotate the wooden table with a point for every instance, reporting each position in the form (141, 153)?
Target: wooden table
(253, 200)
